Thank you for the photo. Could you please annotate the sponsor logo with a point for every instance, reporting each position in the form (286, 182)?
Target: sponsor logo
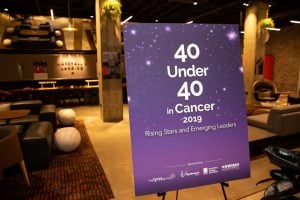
(187, 174)
(210, 170)
(230, 167)
(162, 178)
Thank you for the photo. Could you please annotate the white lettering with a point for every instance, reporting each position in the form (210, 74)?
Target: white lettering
(186, 173)
(161, 178)
(187, 72)
(180, 108)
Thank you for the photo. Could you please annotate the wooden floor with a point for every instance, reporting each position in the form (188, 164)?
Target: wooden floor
(112, 145)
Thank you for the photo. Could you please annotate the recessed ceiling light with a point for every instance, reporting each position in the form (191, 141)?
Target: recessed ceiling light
(156, 20)
(126, 20)
(5, 9)
(52, 14)
(189, 22)
(195, 3)
(295, 21)
(273, 29)
(92, 16)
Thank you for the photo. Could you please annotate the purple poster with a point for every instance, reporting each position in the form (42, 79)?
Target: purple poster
(186, 105)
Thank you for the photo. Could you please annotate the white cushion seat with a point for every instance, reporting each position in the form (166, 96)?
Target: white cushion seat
(66, 117)
(67, 139)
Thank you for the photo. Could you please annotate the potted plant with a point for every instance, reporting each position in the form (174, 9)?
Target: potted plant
(264, 24)
(267, 23)
(112, 8)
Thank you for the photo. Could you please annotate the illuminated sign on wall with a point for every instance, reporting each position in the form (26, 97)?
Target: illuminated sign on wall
(71, 64)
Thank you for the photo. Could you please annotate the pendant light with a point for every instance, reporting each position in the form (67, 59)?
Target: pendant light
(69, 27)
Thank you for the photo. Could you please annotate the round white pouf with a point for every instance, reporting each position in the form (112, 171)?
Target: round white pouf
(67, 139)
(7, 42)
(57, 32)
(59, 43)
(10, 30)
(66, 117)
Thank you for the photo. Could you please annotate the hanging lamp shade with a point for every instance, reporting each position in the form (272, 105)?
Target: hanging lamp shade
(69, 27)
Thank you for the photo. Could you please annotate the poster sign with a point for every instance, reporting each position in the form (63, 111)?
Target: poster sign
(186, 105)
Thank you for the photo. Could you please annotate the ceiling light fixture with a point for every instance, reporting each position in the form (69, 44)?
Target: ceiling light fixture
(126, 20)
(273, 29)
(189, 22)
(52, 14)
(69, 27)
(295, 21)
(195, 3)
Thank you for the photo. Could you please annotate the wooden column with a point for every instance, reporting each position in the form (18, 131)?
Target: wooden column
(108, 31)
(254, 45)
(262, 13)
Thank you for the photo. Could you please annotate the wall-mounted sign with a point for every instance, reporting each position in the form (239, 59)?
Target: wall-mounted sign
(186, 105)
(71, 64)
(48, 66)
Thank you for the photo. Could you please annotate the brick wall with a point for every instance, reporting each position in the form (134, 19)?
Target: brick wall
(285, 47)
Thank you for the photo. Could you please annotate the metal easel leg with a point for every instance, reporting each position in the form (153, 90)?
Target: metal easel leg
(162, 194)
(224, 184)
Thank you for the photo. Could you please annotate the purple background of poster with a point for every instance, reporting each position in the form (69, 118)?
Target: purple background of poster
(190, 158)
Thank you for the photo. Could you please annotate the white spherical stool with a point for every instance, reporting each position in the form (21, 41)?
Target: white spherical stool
(67, 139)
(7, 42)
(66, 117)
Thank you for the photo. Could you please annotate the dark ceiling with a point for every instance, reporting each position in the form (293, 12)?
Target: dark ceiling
(171, 11)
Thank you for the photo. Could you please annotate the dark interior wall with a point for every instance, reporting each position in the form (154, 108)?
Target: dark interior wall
(58, 66)
(285, 47)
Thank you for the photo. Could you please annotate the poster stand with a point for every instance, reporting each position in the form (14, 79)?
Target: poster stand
(223, 185)
(162, 194)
